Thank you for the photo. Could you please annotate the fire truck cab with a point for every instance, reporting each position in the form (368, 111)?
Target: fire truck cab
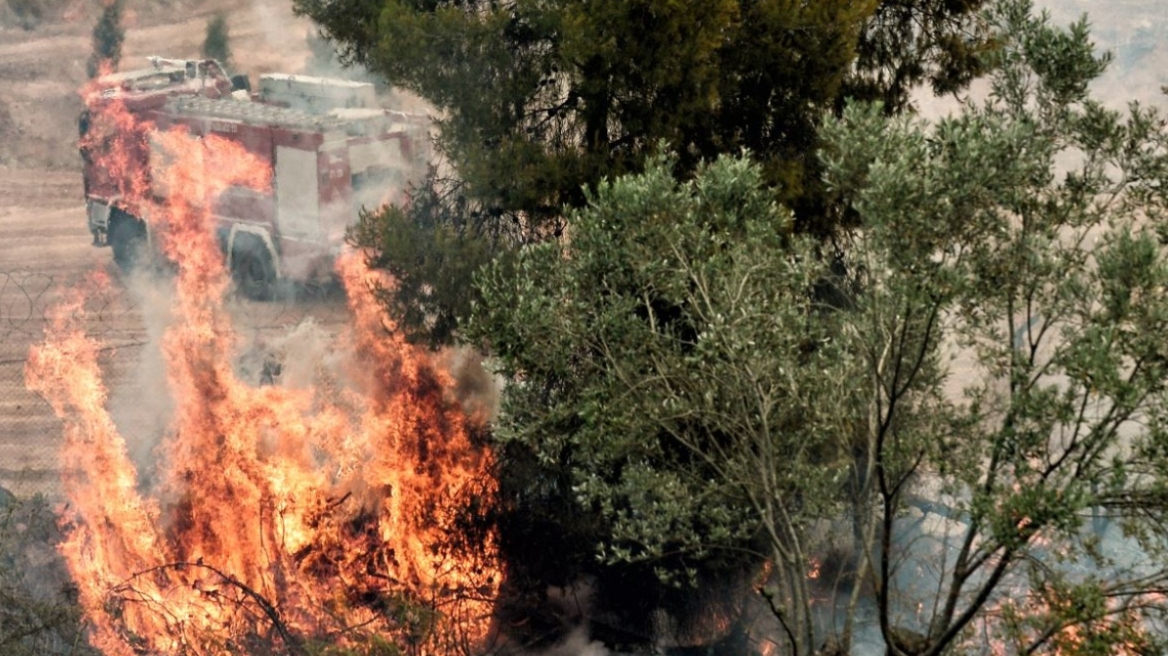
(331, 148)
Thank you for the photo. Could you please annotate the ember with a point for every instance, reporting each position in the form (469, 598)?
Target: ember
(283, 515)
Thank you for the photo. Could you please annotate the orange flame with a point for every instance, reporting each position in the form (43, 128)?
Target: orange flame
(1058, 622)
(814, 567)
(282, 515)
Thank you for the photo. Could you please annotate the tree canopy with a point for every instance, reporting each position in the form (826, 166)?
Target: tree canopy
(981, 429)
(539, 101)
(544, 98)
(959, 442)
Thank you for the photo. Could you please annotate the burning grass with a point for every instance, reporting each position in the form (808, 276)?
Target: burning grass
(281, 517)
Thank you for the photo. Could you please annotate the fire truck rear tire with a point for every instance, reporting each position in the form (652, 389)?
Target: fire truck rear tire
(253, 270)
(127, 238)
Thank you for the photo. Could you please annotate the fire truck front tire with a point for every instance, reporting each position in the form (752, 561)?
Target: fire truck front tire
(127, 239)
(253, 269)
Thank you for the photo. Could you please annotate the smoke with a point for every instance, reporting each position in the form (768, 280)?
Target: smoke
(477, 388)
(576, 644)
(267, 37)
(571, 607)
(141, 404)
(278, 23)
(299, 358)
(326, 62)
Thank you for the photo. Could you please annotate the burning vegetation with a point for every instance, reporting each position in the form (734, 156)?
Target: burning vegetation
(279, 515)
(959, 445)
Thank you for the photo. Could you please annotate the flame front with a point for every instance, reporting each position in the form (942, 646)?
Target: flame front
(281, 515)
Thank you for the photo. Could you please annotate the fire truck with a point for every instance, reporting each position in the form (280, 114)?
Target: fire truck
(331, 147)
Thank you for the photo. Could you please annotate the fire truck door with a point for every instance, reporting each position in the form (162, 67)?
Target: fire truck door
(297, 197)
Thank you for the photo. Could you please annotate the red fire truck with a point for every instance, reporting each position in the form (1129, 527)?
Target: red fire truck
(331, 148)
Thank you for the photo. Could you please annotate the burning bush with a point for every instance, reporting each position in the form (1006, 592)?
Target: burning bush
(283, 517)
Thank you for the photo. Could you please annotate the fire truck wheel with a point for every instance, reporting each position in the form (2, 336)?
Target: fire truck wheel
(254, 273)
(127, 238)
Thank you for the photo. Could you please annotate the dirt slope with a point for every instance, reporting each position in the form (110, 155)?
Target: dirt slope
(41, 69)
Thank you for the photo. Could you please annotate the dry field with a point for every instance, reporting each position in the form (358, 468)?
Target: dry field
(46, 247)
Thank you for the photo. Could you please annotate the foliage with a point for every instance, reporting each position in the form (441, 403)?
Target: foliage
(540, 101)
(432, 247)
(908, 42)
(39, 613)
(657, 355)
(217, 42)
(993, 403)
(108, 35)
(1027, 225)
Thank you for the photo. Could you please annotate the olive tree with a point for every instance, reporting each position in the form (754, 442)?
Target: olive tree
(980, 422)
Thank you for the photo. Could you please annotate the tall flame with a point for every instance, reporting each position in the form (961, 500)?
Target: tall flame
(281, 515)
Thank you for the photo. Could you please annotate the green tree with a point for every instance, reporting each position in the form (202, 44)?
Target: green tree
(662, 355)
(108, 36)
(217, 42)
(541, 100)
(432, 248)
(1000, 377)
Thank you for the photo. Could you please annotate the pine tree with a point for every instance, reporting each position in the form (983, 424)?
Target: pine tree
(542, 100)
